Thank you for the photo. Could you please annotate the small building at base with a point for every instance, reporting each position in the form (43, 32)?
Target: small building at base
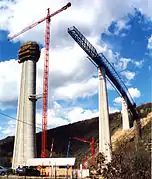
(52, 166)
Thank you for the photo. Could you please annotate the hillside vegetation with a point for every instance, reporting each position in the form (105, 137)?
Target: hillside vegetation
(88, 129)
(130, 159)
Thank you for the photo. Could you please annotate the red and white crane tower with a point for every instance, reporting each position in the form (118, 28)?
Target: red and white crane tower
(46, 69)
(91, 145)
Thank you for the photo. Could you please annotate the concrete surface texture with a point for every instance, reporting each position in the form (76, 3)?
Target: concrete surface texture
(25, 141)
(125, 115)
(104, 129)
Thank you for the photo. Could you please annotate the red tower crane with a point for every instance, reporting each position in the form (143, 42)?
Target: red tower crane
(91, 145)
(46, 69)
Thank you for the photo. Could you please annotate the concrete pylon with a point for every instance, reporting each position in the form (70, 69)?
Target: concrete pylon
(104, 129)
(125, 115)
(25, 137)
(18, 148)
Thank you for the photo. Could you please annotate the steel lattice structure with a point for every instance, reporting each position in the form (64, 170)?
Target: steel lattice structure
(101, 60)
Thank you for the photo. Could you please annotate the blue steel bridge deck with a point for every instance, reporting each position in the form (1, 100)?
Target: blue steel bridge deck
(101, 60)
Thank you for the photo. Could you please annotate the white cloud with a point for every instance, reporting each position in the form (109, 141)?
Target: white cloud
(76, 90)
(118, 100)
(150, 43)
(59, 115)
(9, 80)
(10, 72)
(79, 114)
(138, 64)
(128, 74)
(109, 54)
(122, 64)
(121, 24)
(8, 129)
(135, 93)
(123, 35)
(53, 121)
(70, 75)
(113, 110)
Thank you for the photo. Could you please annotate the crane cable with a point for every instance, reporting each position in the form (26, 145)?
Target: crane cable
(18, 120)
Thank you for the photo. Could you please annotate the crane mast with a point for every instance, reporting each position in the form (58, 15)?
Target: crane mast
(91, 145)
(45, 79)
(46, 69)
(45, 86)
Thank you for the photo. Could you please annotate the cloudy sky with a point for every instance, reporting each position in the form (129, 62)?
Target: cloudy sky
(122, 30)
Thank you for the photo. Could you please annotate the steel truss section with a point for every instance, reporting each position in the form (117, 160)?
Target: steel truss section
(101, 60)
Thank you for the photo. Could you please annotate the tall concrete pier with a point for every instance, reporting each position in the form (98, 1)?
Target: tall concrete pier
(104, 129)
(125, 115)
(25, 139)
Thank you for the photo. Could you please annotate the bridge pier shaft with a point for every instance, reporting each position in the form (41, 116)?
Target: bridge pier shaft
(104, 129)
(125, 115)
(25, 137)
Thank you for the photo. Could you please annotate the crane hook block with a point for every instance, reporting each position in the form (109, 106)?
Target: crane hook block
(68, 4)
